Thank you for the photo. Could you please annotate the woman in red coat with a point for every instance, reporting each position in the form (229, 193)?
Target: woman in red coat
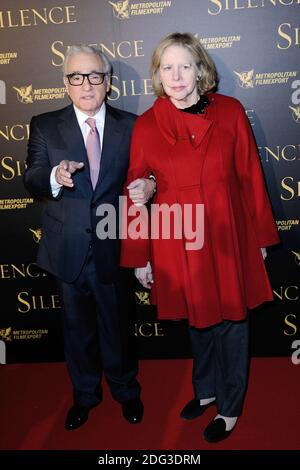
(200, 148)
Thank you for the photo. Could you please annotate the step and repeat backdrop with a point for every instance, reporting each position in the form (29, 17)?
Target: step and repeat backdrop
(256, 47)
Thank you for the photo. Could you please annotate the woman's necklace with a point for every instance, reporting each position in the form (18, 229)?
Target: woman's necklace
(199, 107)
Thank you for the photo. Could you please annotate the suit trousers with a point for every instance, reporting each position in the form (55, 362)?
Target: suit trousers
(221, 363)
(96, 338)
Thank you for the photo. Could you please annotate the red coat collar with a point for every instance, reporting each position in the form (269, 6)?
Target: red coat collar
(176, 125)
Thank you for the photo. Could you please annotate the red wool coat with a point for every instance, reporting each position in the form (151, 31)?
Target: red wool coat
(208, 159)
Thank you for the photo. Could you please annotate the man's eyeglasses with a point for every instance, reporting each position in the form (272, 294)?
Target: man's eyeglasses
(94, 78)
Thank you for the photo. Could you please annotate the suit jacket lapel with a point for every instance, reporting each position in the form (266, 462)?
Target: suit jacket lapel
(112, 139)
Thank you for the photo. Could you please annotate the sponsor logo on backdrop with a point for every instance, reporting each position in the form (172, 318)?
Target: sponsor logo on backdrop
(6, 57)
(219, 42)
(15, 204)
(219, 6)
(121, 9)
(245, 79)
(27, 94)
(6, 334)
(142, 297)
(249, 79)
(287, 224)
(37, 234)
(27, 17)
(148, 329)
(9, 334)
(2, 92)
(297, 257)
(125, 9)
(29, 334)
(295, 113)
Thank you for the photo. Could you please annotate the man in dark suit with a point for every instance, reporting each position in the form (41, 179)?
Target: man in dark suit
(59, 168)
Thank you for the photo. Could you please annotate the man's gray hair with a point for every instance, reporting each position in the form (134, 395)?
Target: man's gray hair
(77, 49)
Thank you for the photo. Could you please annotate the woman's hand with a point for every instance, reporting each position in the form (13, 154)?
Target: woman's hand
(264, 253)
(144, 275)
(141, 190)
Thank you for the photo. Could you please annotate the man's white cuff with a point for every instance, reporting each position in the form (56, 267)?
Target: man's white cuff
(55, 186)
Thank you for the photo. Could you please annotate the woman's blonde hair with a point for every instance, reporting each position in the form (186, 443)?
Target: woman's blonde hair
(207, 74)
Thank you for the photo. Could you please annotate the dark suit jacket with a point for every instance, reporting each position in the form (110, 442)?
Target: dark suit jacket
(70, 220)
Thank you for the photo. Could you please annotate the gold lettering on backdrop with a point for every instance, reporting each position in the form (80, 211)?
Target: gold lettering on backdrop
(11, 168)
(25, 18)
(288, 153)
(291, 187)
(15, 203)
(285, 225)
(15, 132)
(288, 293)
(12, 271)
(29, 334)
(289, 34)
(4, 271)
(219, 42)
(289, 321)
(29, 302)
(122, 50)
(58, 53)
(6, 57)
(218, 6)
(35, 17)
(125, 88)
(148, 329)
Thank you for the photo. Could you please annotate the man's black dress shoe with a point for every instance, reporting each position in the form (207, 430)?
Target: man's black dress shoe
(193, 409)
(76, 417)
(216, 431)
(133, 410)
